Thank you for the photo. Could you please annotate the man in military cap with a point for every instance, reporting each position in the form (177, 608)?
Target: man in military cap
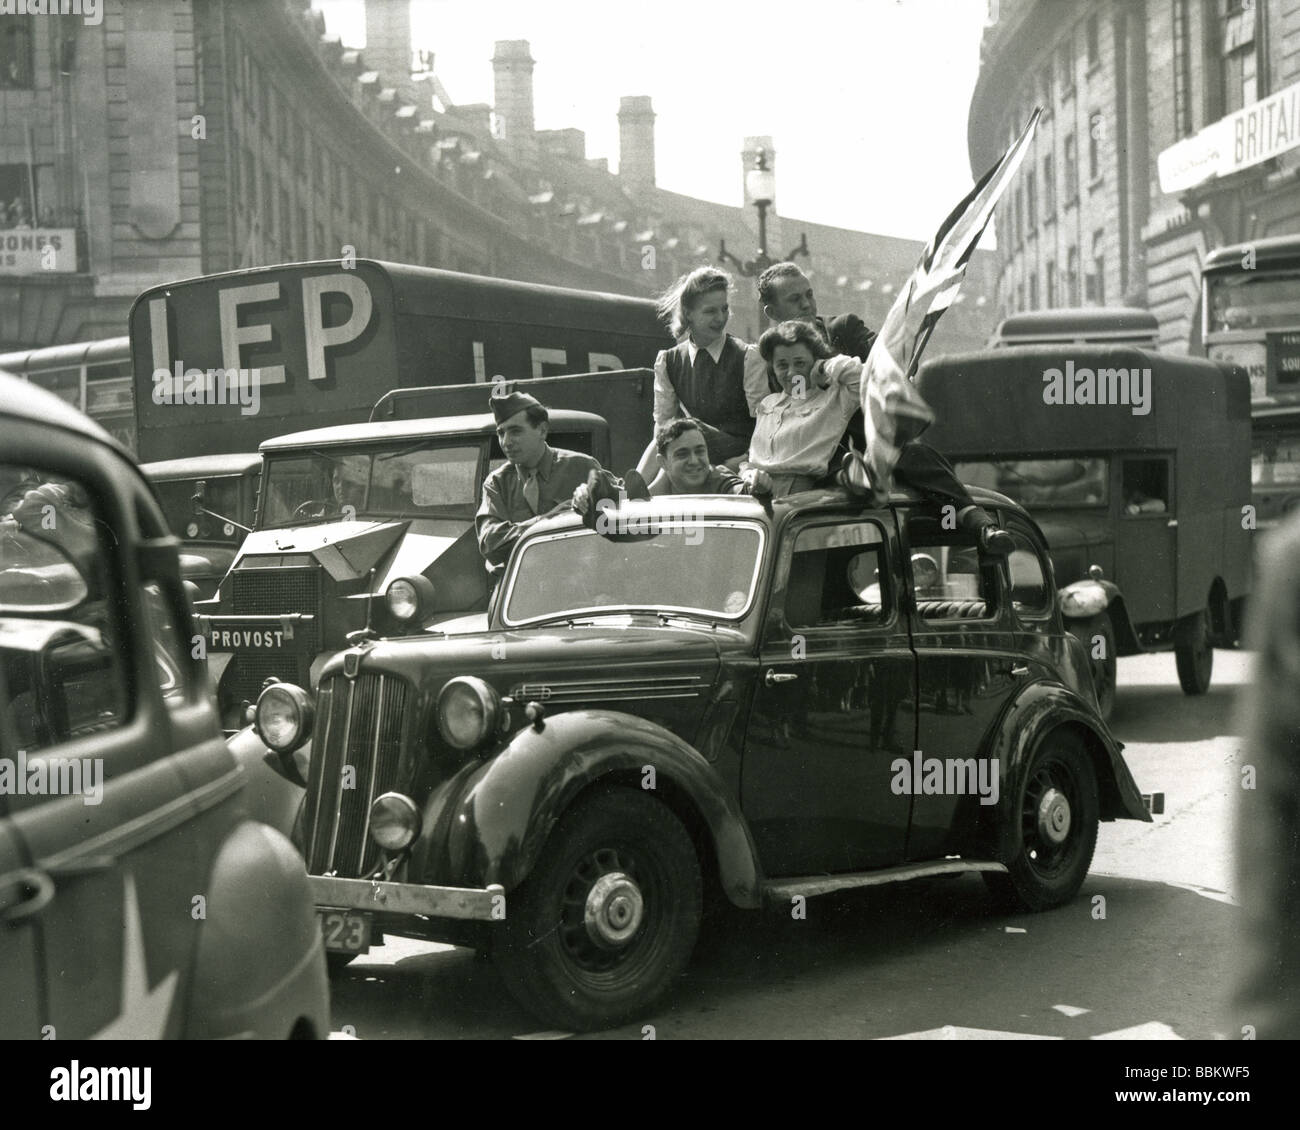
(537, 482)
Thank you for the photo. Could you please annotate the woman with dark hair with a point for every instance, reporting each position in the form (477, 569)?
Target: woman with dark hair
(704, 376)
(798, 430)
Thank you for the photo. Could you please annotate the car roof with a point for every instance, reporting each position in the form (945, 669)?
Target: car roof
(30, 402)
(1276, 249)
(478, 424)
(195, 466)
(1070, 324)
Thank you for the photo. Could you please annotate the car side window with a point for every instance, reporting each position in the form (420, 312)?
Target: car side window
(839, 574)
(63, 665)
(948, 580)
(1030, 592)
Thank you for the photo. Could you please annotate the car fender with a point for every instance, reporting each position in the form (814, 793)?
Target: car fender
(273, 794)
(1037, 710)
(489, 822)
(257, 893)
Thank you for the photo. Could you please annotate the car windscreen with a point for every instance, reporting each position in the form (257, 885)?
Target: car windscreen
(220, 495)
(412, 479)
(1077, 481)
(703, 568)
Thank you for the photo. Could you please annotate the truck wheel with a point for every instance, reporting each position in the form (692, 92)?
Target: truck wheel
(1104, 670)
(1056, 816)
(1195, 657)
(608, 918)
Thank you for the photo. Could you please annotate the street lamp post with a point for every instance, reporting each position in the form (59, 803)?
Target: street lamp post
(760, 186)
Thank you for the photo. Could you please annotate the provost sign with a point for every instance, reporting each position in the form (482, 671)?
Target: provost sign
(1253, 134)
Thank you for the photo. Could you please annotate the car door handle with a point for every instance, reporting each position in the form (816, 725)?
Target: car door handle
(1019, 669)
(1172, 524)
(774, 677)
(24, 893)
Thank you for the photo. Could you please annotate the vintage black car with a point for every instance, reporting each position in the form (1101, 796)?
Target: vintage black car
(145, 890)
(702, 697)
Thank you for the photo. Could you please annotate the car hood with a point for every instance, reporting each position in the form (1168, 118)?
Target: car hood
(347, 550)
(600, 662)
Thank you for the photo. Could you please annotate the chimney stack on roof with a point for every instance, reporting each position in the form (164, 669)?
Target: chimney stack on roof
(636, 141)
(512, 70)
(388, 44)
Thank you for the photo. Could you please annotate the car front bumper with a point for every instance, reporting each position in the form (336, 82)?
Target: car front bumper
(486, 904)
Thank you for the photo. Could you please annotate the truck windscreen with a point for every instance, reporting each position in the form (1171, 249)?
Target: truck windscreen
(405, 480)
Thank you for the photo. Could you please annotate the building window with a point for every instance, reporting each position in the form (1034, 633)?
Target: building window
(1093, 37)
(1020, 296)
(1049, 278)
(286, 223)
(1031, 202)
(268, 205)
(1071, 169)
(1239, 60)
(1049, 189)
(1065, 59)
(1045, 83)
(15, 54)
(1033, 291)
(1182, 70)
(1019, 221)
(1097, 278)
(320, 251)
(250, 180)
(1072, 276)
(1096, 128)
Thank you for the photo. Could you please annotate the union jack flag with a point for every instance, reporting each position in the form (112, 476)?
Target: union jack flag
(893, 410)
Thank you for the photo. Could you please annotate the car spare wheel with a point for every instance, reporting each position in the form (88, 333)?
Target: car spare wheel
(607, 919)
(1055, 814)
(1097, 635)
(1194, 656)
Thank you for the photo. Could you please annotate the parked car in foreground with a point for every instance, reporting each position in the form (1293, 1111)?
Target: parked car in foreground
(701, 698)
(138, 899)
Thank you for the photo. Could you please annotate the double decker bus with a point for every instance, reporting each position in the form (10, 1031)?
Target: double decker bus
(1250, 316)
(93, 376)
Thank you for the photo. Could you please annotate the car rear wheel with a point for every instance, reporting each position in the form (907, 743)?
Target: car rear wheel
(1056, 812)
(609, 916)
(1098, 634)
(1194, 657)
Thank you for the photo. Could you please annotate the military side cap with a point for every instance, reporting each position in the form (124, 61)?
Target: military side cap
(503, 407)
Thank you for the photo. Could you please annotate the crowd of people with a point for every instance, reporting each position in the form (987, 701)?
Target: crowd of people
(771, 418)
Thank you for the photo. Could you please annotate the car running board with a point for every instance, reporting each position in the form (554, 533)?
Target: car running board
(781, 890)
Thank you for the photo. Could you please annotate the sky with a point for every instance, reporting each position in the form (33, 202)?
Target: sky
(865, 100)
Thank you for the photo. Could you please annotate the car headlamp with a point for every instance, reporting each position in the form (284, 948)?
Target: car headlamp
(409, 599)
(469, 712)
(284, 716)
(394, 821)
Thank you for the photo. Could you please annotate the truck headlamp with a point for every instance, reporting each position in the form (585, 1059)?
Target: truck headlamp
(394, 821)
(284, 716)
(409, 599)
(469, 712)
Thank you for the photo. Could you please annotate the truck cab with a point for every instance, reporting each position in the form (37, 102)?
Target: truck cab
(1136, 465)
(209, 502)
(346, 513)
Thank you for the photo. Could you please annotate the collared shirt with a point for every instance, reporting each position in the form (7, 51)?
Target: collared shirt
(720, 480)
(798, 435)
(668, 407)
(504, 513)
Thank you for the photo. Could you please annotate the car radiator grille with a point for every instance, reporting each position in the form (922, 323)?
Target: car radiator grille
(275, 592)
(359, 726)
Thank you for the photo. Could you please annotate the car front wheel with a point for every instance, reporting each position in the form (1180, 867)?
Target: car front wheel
(609, 916)
(1056, 814)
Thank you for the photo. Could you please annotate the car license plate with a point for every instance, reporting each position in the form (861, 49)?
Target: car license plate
(346, 931)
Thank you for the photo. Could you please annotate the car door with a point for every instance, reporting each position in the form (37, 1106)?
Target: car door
(833, 705)
(1146, 538)
(99, 805)
(968, 667)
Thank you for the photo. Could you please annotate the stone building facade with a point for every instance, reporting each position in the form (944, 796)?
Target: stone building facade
(1119, 201)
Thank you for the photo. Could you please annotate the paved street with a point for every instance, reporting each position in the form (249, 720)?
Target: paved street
(934, 960)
